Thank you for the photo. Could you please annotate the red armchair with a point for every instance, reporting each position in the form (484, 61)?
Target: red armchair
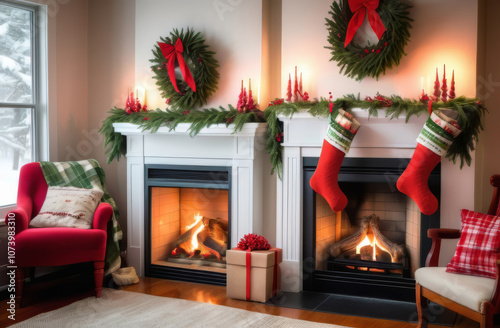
(36, 247)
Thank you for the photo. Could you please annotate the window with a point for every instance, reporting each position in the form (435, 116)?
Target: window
(22, 113)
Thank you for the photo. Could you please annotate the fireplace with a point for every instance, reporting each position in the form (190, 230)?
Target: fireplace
(218, 161)
(188, 220)
(374, 245)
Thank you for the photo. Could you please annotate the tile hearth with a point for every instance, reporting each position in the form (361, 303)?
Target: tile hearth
(361, 307)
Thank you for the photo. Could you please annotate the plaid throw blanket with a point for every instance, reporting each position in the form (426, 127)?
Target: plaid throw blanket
(88, 174)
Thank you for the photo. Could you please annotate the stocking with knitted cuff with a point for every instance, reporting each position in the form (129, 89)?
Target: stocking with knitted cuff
(437, 135)
(340, 133)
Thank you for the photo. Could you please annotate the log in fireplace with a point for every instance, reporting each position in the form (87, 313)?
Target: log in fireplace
(374, 245)
(187, 226)
(368, 250)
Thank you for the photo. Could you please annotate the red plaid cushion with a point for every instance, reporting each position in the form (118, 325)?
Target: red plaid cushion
(478, 245)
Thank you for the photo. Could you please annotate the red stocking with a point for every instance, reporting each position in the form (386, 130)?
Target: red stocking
(413, 181)
(335, 145)
(434, 140)
(324, 180)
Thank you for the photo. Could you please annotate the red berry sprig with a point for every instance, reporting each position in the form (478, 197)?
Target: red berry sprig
(253, 242)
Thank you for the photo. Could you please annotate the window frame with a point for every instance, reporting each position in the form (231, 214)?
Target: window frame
(39, 80)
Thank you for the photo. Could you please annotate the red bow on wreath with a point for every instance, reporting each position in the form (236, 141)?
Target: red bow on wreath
(359, 8)
(171, 52)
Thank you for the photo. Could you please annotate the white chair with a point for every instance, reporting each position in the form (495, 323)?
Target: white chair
(477, 298)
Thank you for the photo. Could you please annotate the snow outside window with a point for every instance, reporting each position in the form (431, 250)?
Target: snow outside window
(19, 94)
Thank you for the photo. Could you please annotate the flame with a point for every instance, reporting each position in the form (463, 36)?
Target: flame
(373, 244)
(365, 242)
(194, 239)
(197, 218)
(191, 245)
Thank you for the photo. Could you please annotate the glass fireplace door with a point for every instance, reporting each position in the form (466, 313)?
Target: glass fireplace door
(188, 222)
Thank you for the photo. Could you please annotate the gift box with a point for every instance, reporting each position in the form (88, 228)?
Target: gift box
(253, 275)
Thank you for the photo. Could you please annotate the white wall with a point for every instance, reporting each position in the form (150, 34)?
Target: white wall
(68, 74)
(111, 58)
(233, 29)
(444, 32)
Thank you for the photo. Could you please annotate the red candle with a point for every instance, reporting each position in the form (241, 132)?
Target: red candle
(289, 88)
(437, 92)
(244, 101)
(300, 84)
(452, 87)
(240, 103)
(444, 95)
(250, 103)
(295, 87)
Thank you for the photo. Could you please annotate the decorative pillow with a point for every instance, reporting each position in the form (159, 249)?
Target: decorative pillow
(68, 207)
(478, 245)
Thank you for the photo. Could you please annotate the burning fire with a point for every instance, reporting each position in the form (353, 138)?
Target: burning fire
(192, 246)
(374, 244)
(197, 218)
(194, 239)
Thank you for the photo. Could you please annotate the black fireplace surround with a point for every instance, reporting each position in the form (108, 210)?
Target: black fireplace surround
(183, 176)
(361, 170)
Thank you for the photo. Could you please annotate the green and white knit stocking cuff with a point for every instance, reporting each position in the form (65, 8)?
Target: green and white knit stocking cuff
(342, 130)
(439, 132)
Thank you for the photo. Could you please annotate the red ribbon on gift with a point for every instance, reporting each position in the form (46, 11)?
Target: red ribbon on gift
(249, 271)
(360, 8)
(170, 53)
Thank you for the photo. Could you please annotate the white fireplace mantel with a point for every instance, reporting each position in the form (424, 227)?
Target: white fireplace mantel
(217, 145)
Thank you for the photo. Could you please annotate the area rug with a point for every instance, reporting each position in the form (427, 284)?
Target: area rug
(118, 308)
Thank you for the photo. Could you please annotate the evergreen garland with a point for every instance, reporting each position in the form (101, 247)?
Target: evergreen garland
(202, 65)
(359, 62)
(470, 118)
(115, 143)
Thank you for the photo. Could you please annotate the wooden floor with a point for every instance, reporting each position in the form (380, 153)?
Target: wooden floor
(44, 296)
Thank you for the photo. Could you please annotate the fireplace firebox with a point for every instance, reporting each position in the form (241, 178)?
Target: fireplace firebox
(188, 221)
(374, 245)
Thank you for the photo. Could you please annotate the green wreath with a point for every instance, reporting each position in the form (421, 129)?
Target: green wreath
(187, 48)
(358, 62)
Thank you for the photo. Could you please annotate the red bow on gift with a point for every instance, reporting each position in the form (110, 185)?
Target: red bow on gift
(171, 52)
(359, 8)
